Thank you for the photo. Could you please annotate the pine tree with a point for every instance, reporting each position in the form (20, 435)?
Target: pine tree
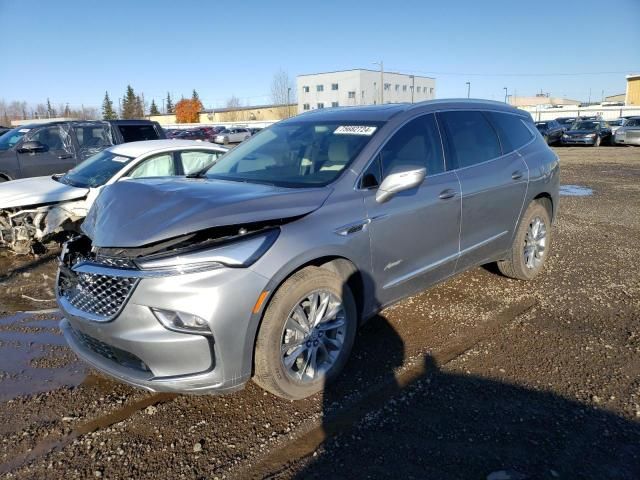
(129, 104)
(194, 95)
(169, 104)
(107, 108)
(67, 112)
(153, 109)
(139, 111)
(51, 113)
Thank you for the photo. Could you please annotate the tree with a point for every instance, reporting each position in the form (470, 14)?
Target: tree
(195, 96)
(153, 109)
(169, 105)
(129, 104)
(282, 91)
(51, 112)
(188, 111)
(67, 112)
(107, 108)
(139, 111)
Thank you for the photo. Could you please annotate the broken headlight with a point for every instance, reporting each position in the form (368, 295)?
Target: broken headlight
(242, 252)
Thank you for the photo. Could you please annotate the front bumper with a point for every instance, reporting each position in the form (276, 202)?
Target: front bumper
(627, 140)
(578, 141)
(135, 348)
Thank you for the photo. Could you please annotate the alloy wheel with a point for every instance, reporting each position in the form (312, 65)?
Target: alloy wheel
(535, 243)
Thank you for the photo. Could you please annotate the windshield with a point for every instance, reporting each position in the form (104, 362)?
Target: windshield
(295, 155)
(541, 125)
(10, 138)
(585, 126)
(616, 123)
(632, 122)
(566, 121)
(95, 171)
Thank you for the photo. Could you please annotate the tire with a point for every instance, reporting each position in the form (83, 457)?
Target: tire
(598, 141)
(518, 265)
(298, 381)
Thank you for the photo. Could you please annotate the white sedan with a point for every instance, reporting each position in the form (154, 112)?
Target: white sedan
(33, 210)
(232, 135)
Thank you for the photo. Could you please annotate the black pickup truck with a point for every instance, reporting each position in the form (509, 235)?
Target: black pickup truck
(55, 147)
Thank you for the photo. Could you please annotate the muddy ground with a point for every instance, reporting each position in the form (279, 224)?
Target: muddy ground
(479, 377)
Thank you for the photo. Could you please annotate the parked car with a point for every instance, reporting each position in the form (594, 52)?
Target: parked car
(191, 134)
(566, 122)
(232, 135)
(616, 124)
(172, 132)
(587, 132)
(33, 210)
(56, 147)
(629, 133)
(264, 265)
(550, 130)
(255, 130)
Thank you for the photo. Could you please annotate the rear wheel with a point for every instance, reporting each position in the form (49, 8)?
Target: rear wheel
(531, 244)
(306, 334)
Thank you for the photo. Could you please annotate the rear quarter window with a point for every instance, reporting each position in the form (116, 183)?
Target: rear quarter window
(136, 133)
(511, 129)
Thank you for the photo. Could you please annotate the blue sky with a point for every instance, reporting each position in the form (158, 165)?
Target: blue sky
(72, 51)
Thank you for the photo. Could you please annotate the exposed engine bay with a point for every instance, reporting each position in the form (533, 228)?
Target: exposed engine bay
(26, 230)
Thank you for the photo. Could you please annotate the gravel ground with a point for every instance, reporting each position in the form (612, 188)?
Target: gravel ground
(479, 377)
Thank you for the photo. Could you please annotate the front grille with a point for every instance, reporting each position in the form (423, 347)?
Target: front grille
(100, 295)
(114, 354)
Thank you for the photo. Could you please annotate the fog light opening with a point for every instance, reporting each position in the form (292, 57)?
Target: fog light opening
(182, 322)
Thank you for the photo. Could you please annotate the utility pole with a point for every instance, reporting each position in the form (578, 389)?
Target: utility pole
(288, 102)
(589, 102)
(381, 80)
(468, 89)
(505, 94)
(413, 86)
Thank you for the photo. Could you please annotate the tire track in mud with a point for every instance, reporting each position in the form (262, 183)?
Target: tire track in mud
(46, 447)
(308, 442)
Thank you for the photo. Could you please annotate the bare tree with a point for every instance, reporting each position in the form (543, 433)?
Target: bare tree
(233, 104)
(282, 91)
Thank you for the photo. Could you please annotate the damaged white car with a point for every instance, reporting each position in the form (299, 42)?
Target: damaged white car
(34, 211)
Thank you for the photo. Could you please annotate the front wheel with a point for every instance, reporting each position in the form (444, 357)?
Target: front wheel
(531, 244)
(306, 334)
(597, 142)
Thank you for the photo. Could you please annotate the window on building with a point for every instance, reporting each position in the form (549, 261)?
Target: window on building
(305, 106)
(305, 89)
(419, 89)
(320, 105)
(387, 86)
(430, 90)
(319, 88)
(352, 94)
(334, 104)
(404, 88)
(397, 87)
(334, 86)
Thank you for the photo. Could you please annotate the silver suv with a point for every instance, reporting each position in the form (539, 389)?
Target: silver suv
(264, 265)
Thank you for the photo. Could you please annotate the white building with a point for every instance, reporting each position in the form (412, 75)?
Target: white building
(361, 87)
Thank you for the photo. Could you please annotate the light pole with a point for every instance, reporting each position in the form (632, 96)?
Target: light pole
(505, 94)
(381, 80)
(468, 89)
(288, 102)
(413, 86)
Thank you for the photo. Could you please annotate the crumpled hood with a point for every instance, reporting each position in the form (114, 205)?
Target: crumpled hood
(36, 191)
(135, 213)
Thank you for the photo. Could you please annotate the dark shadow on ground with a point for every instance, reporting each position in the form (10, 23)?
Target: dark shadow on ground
(450, 426)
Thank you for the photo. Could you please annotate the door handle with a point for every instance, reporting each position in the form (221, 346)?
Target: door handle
(64, 156)
(517, 175)
(446, 194)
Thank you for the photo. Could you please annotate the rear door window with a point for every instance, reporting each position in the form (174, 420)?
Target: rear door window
(470, 138)
(512, 131)
(161, 165)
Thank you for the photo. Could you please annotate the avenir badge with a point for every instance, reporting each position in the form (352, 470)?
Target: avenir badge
(355, 130)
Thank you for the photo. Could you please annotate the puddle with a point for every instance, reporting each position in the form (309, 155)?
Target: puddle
(575, 191)
(34, 357)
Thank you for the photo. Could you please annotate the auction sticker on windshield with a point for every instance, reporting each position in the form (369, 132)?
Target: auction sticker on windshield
(121, 159)
(355, 130)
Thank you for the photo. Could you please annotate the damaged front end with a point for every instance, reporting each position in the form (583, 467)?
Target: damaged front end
(27, 230)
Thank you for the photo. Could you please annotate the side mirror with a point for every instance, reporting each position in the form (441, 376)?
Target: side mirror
(32, 147)
(400, 181)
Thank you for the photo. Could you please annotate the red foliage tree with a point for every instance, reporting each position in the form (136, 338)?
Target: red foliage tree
(187, 110)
